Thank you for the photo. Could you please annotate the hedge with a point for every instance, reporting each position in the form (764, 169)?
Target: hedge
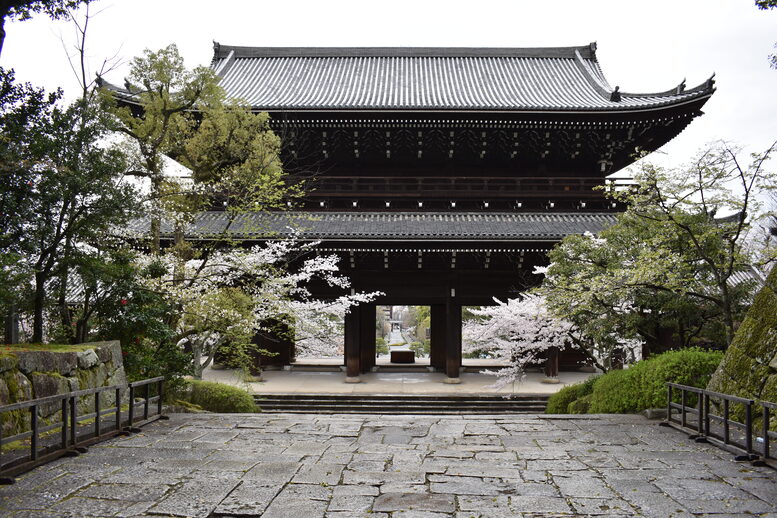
(218, 397)
(639, 387)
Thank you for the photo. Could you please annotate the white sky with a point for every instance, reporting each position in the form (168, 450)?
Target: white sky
(642, 46)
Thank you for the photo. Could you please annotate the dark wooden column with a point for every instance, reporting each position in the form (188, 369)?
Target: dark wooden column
(352, 354)
(367, 344)
(437, 345)
(551, 366)
(452, 341)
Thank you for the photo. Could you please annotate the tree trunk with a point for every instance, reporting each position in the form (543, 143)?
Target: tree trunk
(728, 313)
(38, 303)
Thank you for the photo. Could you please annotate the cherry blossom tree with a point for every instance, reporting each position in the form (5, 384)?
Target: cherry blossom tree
(225, 297)
(520, 331)
(517, 332)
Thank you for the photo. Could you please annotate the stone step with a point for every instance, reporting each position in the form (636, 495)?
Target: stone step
(401, 404)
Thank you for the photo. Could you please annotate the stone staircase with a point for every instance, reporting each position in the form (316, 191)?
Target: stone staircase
(429, 404)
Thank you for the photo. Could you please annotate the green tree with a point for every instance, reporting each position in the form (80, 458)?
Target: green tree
(669, 261)
(164, 92)
(65, 188)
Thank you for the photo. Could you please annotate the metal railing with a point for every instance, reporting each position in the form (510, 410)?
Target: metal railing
(707, 417)
(71, 434)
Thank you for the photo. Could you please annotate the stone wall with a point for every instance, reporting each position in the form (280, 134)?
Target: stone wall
(26, 375)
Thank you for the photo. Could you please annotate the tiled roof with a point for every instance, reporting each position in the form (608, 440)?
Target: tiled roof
(403, 226)
(500, 79)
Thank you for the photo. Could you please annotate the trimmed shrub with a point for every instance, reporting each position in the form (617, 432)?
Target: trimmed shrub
(218, 397)
(643, 385)
(615, 393)
(580, 406)
(559, 402)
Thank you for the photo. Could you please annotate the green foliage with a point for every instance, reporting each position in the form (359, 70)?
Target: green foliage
(580, 406)
(217, 397)
(141, 320)
(643, 385)
(559, 402)
(616, 392)
(662, 272)
(62, 187)
(380, 346)
(421, 348)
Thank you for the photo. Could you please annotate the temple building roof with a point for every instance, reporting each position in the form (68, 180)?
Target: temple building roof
(431, 79)
(383, 226)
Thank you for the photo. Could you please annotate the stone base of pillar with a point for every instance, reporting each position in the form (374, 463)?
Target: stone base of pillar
(452, 381)
(353, 379)
(551, 380)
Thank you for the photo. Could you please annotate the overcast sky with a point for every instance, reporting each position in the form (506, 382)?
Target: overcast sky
(643, 46)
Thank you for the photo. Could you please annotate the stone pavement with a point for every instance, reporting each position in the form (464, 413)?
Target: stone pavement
(422, 383)
(380, 466)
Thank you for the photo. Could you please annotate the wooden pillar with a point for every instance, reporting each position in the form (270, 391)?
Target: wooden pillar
(352, 354)
(367, 344)
(551, 366)
(437, 345)
(452, 341)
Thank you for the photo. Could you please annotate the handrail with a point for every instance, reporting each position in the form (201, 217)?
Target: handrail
(75, 436)
(742, 443)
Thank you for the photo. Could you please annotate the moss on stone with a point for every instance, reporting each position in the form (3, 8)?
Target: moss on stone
(745, 369)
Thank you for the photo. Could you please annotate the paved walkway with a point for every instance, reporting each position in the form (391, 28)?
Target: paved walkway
(302, 382)
(312, 466)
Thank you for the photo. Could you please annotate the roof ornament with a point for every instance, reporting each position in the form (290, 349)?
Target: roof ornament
(615, 96)
(592, 46)
(710, 84)
(216, 47)
(680, 88)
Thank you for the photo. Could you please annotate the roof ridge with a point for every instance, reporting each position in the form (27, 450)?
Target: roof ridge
(222, 51)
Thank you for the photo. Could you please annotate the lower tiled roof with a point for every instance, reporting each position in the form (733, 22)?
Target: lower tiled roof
(404, 226)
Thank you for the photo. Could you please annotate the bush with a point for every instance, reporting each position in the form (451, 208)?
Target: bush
(559, 402)
(218, 397)
(643, 385)
(580, 406)
(615, 393)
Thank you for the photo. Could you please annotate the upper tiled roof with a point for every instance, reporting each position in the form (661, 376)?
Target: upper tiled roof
(379, 226)
(499, 79)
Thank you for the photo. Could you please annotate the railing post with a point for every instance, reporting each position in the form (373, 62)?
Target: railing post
(34, 427)
(118, 410)
(73, 420)
(706, 414)
(765, 430)
(669, 402)
(700, 415)
(131, 416)
(160, 393)
(682, 410)
(97, 414)
(726, 431)
(64, 423)
(749, 427)
(145, 401)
